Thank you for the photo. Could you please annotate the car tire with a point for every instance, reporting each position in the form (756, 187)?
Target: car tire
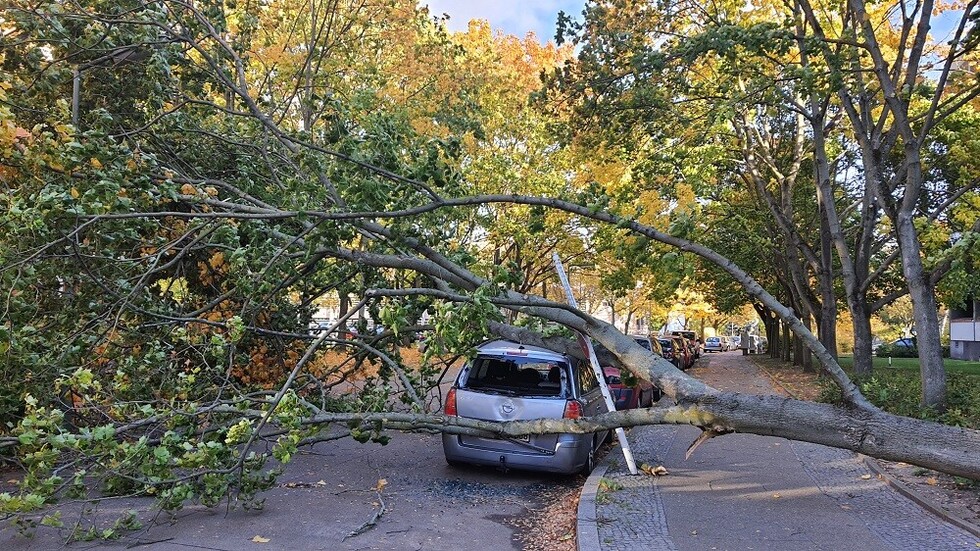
(590, 458)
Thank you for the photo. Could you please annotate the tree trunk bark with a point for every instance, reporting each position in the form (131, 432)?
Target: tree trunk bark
(876, 434)
(828, 299)
(774, 340)
(344, 306)
(798, 352)
(807, 360)
(787, 349)
(926, 315)
(861, 325)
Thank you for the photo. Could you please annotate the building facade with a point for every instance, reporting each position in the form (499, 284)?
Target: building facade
(964, 332)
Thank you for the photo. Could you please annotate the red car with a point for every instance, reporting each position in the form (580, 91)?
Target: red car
(677, 351)
(641, 394)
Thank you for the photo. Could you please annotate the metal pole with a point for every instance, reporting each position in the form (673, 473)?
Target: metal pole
(586, 343)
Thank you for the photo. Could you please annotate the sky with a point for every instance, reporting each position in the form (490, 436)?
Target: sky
(517, 17)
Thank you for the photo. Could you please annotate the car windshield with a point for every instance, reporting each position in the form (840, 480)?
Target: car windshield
(666, 343)
(517, 376)
(645, 343)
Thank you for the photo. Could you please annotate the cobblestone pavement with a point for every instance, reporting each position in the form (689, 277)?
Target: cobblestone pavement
(742, 492)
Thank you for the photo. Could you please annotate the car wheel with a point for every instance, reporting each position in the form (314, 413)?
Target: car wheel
(590, 459)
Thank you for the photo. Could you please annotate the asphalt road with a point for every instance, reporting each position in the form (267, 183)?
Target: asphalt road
(330, 490)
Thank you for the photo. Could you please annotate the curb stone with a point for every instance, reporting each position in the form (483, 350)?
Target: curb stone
(587, 525)
(920, 500)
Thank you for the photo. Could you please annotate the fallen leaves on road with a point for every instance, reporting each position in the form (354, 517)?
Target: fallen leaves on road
(260, 539)
(551, 528)
(659, 470)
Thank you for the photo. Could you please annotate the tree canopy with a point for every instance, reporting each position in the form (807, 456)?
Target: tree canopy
(184, 182)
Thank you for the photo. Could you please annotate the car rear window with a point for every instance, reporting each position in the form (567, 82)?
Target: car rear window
(517, 376)
(645, 343)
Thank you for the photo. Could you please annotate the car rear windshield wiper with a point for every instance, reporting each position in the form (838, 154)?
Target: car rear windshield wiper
(494, 390)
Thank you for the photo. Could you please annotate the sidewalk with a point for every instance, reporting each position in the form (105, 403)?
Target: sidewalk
(742, 491)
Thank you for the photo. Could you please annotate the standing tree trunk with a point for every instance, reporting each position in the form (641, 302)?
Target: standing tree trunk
(863, 351)
(774, 340)
(807, 359)
(828, 299)
(786, 348)
(926, 314)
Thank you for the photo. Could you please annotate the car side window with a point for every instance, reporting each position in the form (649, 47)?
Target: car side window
(586, 378)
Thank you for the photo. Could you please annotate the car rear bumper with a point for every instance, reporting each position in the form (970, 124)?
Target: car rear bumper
(569, 455)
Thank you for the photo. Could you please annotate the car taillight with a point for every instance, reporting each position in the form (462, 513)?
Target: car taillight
(573, 409)
(450, 408)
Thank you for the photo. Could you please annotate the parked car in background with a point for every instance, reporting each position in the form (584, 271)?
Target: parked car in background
(901, 348)
(319, 326)
(507, 381)
(715, 344)
(686, 352)
(730, 343)
(630, 392)
(692, 341)
(650, 343)
(667, 345)
(904, 343)
(757, 344)
(736, 342)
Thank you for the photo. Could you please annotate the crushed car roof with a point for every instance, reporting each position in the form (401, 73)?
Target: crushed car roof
(511, 348)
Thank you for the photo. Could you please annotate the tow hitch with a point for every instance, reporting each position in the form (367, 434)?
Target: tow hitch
(503, 463)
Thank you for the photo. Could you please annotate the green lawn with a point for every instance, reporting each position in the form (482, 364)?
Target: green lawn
(952, 366)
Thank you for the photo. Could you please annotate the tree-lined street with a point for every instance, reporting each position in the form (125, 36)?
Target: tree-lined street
(231, 232)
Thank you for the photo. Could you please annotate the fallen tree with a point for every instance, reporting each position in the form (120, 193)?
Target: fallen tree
(161, 265)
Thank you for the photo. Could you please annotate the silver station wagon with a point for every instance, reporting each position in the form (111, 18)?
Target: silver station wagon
(507, 381)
